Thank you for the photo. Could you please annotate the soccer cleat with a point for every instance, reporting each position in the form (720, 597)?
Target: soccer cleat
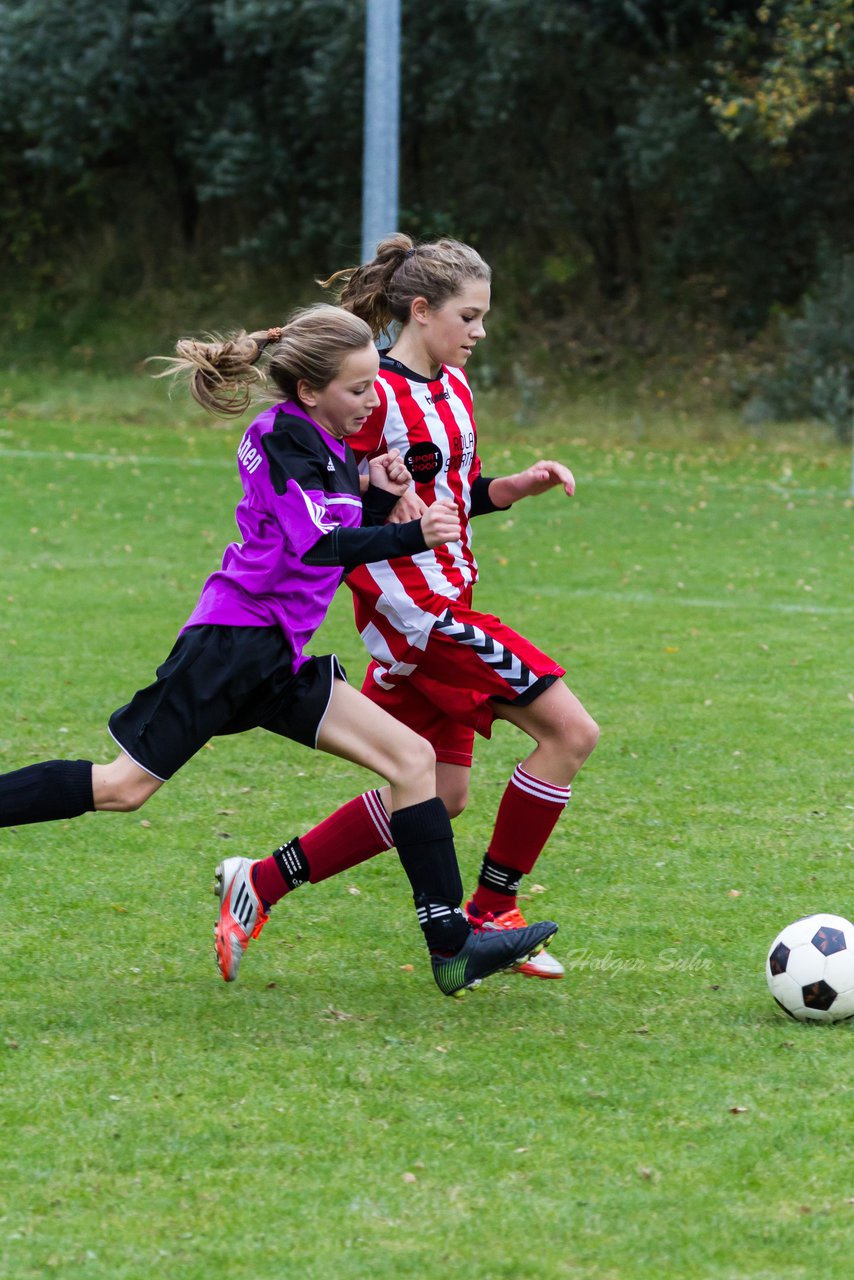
(489, 951)
(241, 914)
(539, 966)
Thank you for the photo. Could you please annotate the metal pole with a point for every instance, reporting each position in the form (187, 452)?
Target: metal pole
(382, 123)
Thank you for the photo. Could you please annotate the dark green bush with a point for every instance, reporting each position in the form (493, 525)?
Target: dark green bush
(813, 377)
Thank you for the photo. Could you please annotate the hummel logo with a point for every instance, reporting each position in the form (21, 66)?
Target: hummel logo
(330, 466)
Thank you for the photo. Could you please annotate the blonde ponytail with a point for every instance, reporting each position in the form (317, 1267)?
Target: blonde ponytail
(222, 373)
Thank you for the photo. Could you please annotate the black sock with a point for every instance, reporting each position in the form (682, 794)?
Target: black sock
(425, 844)
(45, 792)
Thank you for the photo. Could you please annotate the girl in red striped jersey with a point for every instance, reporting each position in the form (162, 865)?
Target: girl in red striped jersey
(439, 665)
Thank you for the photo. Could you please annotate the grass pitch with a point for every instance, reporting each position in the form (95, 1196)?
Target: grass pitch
(654, 1116)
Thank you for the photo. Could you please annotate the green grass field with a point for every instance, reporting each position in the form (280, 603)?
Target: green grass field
(652, 1117)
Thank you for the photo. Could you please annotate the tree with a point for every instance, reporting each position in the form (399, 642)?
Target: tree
(782, 64)
(635, 148)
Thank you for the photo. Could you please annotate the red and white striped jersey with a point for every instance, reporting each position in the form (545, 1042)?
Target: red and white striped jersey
(431, 422)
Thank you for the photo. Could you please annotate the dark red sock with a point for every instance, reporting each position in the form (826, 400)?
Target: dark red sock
(357, 831)
(527, 815)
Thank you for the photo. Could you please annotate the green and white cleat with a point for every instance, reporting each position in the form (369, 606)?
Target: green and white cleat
(539, 966)
(487, 952)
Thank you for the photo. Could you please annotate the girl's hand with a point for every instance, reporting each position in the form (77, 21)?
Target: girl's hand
(441, 523)
(388, 472)
(409, 507)
(505, 490)
(545, 475)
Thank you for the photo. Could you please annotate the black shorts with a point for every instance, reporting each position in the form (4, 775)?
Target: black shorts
(220, 680)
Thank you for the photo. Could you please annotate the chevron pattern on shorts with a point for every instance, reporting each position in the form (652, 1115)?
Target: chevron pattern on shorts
(510, 667)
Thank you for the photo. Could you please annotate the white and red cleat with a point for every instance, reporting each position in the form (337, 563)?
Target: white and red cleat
(241, 914)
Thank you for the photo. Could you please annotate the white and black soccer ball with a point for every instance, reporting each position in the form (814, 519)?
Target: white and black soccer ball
(810, 969)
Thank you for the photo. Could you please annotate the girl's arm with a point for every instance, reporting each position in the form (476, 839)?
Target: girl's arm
(351, 547)
(503, 491)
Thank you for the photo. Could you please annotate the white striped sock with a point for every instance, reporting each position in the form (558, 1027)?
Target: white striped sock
(540, 790)
(379, 817)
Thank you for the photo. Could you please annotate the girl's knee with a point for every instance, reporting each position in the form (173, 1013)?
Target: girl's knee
(452, 786)
(416, 762)
(455, 796)
(118, 791)
(575, 738)
(455, 803)
(122, 799)
(588, 735)
(423, 756)
(133, 798)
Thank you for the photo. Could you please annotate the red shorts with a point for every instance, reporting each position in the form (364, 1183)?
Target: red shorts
(471, 659)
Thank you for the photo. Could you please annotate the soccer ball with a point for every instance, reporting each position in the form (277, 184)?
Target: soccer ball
(810, 969)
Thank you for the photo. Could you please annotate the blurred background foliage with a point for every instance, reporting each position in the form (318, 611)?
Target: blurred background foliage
(667, 181)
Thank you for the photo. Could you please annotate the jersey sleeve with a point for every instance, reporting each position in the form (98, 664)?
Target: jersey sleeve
(377, 505)
(481, 503)
(352, 547)
(370, 440)
(283, 479)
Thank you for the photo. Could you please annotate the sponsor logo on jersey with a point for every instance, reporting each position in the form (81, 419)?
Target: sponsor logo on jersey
(440, 395)
(249, 457)
(423, 461)
(330, 465)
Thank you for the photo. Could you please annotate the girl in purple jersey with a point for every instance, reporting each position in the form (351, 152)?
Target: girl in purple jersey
(240, 660)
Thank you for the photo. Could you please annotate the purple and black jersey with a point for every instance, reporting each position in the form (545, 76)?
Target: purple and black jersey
(301, 519)
(240, 660)
(299, 484)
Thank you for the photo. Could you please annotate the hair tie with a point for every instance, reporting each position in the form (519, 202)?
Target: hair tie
(409, 254)
(262, 341)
